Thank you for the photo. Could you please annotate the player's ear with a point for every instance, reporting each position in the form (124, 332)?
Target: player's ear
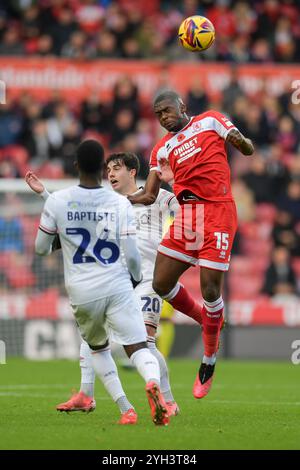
(133, 173)
(183, 108)
(75, 163)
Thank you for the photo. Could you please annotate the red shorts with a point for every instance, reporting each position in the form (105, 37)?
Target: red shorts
(202, 234)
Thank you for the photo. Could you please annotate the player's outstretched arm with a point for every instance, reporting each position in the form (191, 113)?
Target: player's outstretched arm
(36, 185)
(244, 145)
(149, 194)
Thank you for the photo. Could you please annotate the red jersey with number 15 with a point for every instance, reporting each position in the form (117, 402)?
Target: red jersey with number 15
(197, 157)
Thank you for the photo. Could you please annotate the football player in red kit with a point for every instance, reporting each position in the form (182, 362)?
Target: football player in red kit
(203, 230)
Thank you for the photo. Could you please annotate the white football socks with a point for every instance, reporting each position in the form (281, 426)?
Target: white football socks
(146, 364)
(165, 386)
(87, 371)
(209, 360)
(106, 369)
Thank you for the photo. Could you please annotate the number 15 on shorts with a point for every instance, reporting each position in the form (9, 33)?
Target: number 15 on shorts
(222, 242)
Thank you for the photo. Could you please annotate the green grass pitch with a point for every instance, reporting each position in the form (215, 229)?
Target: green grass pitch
(252, 405)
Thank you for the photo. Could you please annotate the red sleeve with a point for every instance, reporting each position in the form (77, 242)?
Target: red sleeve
(153, 158)
(156, 155)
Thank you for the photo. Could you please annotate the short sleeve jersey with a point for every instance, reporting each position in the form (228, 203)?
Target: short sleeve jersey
(197, 157)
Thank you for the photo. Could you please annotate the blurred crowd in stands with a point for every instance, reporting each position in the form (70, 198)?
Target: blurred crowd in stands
(248, 30)
(43, 136)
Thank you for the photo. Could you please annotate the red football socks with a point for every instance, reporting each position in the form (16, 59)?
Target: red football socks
(212, 317)
(184, 302)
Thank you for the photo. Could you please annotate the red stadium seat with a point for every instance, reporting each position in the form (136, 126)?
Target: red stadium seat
(244, 287)
(266, 213)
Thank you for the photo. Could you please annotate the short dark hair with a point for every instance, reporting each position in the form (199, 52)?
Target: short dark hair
(130, 160)
(90, 156)
(167, 95)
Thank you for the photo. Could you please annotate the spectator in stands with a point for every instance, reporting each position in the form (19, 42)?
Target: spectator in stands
(255, 125)
(94, 114)
(261, 51)
(63, 28)
(125, 96)
(10, 124)
(197, 101)
(75, 48)
(11, 45)
(287, 136)
(89, 15)
(38, 143)
(285, 233)
(258, 180)
(44, 46)
(131, 49)
(31, 27)
(57, 125)
(232, 92)
(290, 200)
(123, 124)
(105, 47)
(285, 46)
(11, 231)
(277, 170)
(280, 277)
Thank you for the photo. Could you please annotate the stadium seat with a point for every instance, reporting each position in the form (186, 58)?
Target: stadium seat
(51, 170)
(266, 213)
(296, 265)
(244, 287)
(43, 305)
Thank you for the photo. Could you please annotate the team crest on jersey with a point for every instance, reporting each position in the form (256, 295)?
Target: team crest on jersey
(74, 204)
(180, 137)
(196, 127)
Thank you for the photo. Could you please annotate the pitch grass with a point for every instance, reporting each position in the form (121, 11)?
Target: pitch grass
(252, 405)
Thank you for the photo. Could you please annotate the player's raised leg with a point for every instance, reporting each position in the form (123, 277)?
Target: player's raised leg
(165, 282)
(212, 317)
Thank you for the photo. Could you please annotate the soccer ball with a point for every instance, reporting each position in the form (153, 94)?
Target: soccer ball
(196, 33)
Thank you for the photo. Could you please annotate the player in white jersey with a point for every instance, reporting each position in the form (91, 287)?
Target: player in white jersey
(94, 227)
(122, 169)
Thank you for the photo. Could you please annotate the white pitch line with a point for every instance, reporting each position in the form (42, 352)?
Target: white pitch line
(38, 395)
(249, 386)
(221, 402)
(255, 403)
(33, 386)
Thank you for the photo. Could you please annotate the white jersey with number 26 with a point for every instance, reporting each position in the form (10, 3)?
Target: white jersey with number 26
(90, 223)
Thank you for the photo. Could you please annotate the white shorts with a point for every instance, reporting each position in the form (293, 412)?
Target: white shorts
(117, 317)
(150, 304)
